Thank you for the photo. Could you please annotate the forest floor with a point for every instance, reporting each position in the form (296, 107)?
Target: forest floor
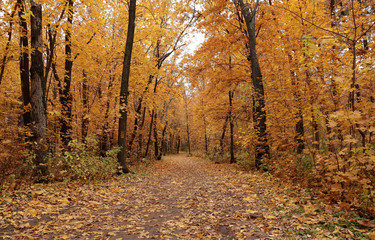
(177, 198)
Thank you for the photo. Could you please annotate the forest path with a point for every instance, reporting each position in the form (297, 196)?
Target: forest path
(179, 198)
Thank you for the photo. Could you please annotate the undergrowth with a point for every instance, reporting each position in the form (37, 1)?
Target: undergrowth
(82, 161)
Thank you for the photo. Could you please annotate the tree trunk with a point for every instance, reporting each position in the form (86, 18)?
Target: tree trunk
(315, 129)
(38, 112)
(231, 126)
(223, 136)
(105, 144)
(300, 132)
(178, 144)
(124, 92)
(205, 130)
(24, 65)
(205, 136)
(65, 93)
(85, 100)
(188, 132)
(259, 115)
(140, 136)
(105, 138)
(156, 142)
(299, 138)
(138, 114)
(169, 148)
(163, 145)
(149, 134)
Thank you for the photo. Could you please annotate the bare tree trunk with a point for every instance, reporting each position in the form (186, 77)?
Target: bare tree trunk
(178, 144)
(156, 142)
(205, 136)
(163, 142)
(259, 115)
(125, 88)
(205, 130)
(104, 138)
(24, 65)
(316, 134)
(138, 114)
(299, 138)
(85, 100)
(153, 114)
(149, 133)
(188, 132)
(300, 132)
(65, 93)
(140, 136)
(38, 112)
(223, 135)
(231, 126)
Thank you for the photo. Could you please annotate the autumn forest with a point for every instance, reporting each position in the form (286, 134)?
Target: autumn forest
(158, 94)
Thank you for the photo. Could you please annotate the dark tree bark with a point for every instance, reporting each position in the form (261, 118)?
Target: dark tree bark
(259, 115)
(153, 114)
(205, 135)
(52, 33)
(135, 129)
(163, 146)
(38, 112)
(140, 136)
(169, 147)
(24, 64)
(188, 131)
(65, 94)
(205, 130)
(138, 114)
(124, 92)
(156, 140)
(231, 126)
(299, 138)
(149, 133)
(315, 128)
(178, 144)
(223, 135)
(300, 132)
(85, 101)
(106, 139)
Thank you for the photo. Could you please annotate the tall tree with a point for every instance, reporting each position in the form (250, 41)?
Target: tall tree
(65, 93)
(259, 114)
(124, 92)
(37, 98)
(24, 63)
(231, 126)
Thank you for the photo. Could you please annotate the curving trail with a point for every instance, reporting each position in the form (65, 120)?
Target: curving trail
(179, 198)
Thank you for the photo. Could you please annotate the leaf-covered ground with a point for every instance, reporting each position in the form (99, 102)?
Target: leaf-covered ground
(177, 198)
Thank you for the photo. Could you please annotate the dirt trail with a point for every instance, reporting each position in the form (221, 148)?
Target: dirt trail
(180, 198)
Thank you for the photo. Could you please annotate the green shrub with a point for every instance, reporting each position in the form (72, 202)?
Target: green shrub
(245, 160)
(305, 163)
(83, 162)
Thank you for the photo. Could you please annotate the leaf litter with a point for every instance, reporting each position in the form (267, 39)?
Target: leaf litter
(179, 198)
